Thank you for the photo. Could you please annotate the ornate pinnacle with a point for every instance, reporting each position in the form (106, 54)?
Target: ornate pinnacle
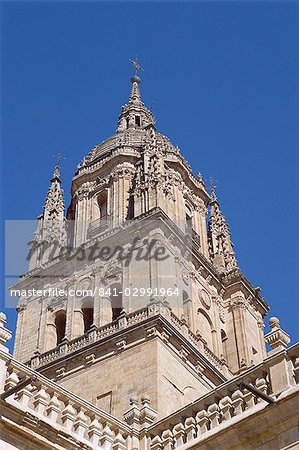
(56, 173)
(220, 244)
(212, 184)
(58, 157)
(213, 195)
(277, 338)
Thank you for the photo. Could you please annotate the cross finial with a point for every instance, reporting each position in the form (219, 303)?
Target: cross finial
(212, 186)
(136, 66)
(212, 183)
(58, 158)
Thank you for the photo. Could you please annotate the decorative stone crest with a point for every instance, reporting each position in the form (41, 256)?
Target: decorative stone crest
(84, 284)
(204, 298)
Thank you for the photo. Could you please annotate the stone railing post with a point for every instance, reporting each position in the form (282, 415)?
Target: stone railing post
(25, 395)
(95, 432)
(147, 413)
(107, 438)
(167, 439)
(249, 398)
(68, 415)
(262, 385)
(54, 408)
(190, 429)
(34, 363)
(279, 372)
(277, 338)
(214, 415)
(80, 424)
(202, 422)
(132, 417)
(92, 333)
(40, 401)
(225, 406)
(119, 442)
(122, 320)
(238, 402)
(11, 381)
(178, 434)
(296, 370)
(156, 443)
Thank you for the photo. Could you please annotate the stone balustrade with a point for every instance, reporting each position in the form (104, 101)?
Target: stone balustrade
(53, 411)
(97, 227)
(125, 321)
(65, 412)
(227, 403)
(212, 357)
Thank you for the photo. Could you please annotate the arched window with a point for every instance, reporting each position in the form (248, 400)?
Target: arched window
(103, 205)
(186, 307)
(87, 312)
(60, 322)
(224, 343)
(87, 318)
(188, 215)
(204, 326)
(185, 297)
(116, 300)
(131, 213)
(223, 336)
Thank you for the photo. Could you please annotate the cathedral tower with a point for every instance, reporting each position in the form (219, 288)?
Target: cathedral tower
(153, 301)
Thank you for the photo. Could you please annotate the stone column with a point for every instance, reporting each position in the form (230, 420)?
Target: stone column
(5, 335)
(86, 216)
(69, 318)
(105, 310)
(42, 326)
(196, 225)
(97, 300)
(78, 322)
(260, 325)
(238, 308)
(217, 326)
(203, 232)
(181, 210)
(21, 309)
(50, 335)
(82, 218)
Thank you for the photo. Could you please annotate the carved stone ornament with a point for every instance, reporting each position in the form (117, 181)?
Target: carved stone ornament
(84, 284)
(238, 302)
(185, 276)
(204, 298)
(221, 313)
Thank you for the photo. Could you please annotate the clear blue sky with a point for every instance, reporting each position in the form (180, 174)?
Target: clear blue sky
(223, 79)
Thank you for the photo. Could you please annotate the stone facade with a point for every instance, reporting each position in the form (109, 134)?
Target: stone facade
(115, 368)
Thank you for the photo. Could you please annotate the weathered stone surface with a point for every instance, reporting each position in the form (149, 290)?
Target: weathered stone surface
(135, 371)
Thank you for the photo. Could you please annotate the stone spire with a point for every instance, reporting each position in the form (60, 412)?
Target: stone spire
(50, 233)
(220, 245)
(134, 115)
(54, 204)
(135, 97)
